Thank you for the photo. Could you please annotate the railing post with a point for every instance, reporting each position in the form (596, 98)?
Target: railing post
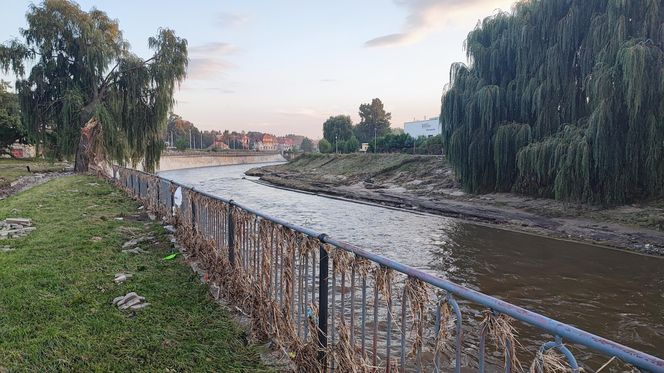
(323, 304)
(231, 234)
(193, 212)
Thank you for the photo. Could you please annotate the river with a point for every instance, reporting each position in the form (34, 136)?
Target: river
(612, 293)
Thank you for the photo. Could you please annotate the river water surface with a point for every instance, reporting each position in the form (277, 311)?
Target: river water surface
(615, 294)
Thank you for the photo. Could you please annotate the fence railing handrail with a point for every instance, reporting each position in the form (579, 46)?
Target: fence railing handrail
(556, 328)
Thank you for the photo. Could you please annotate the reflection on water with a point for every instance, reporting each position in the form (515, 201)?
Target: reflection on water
(611, 293)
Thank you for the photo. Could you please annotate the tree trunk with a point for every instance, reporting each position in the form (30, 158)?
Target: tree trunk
(86, 146)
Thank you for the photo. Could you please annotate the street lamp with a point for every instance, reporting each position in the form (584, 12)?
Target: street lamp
(336, 144)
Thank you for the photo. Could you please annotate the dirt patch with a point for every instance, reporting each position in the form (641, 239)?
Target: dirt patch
(27, 182)
(426, 183)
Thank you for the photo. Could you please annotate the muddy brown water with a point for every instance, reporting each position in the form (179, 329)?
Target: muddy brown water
(615, 294)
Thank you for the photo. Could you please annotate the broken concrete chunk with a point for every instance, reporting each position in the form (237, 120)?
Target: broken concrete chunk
(170, 228)
(116, 300)
(122, 277)
(130, 301)
(135, 250)
(139, 306)
(21, 221)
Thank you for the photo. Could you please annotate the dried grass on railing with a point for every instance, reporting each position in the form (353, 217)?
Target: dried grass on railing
(549, 361)
(443, 335)
(417, 294)
(498, 328)
(253, 290)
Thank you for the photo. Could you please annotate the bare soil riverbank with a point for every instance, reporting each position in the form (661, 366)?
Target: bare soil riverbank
(426, 183)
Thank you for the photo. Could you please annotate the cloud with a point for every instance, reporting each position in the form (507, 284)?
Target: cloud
(426, 16)
(225, 19)
(209, 61)
(328, 80)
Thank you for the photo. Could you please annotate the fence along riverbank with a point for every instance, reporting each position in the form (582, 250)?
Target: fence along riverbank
(333, 305)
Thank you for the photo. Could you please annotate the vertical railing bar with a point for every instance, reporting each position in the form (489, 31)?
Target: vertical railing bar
(275, 261)
(231, 235)
(437, 326)
(293, 282)
(281, 271)
(374, 347)
(364, 315)
(323, 305)
(305, 294)
(457, 311)
(352, 306)
(508, 359)
(403, 329)
(313, 277)
(482, 350)
(388, 348)
(333, 302)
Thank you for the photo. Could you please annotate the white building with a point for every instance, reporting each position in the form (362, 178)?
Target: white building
(427, 128)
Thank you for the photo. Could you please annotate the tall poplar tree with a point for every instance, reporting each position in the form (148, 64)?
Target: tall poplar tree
(87, 95)
(562, 99)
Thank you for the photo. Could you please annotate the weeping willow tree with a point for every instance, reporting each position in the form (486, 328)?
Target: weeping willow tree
(562, 99)
(87, 96)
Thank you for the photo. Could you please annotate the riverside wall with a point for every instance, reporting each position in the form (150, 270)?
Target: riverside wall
(182, 160)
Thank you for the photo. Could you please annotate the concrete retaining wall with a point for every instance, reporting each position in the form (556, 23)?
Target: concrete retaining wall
(177, 161)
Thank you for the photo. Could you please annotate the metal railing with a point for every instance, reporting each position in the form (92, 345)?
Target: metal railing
(332, 305)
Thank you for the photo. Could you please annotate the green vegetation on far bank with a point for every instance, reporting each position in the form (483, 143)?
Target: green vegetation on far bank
(56, 288)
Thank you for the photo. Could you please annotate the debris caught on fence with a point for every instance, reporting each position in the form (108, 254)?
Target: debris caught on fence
(272, 273)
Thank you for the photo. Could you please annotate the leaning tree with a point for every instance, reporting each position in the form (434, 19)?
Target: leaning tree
(87, 95)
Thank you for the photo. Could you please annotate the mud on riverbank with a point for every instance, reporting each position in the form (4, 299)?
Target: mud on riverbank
(427, 184)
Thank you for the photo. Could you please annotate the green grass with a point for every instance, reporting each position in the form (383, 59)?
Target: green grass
(12, 169)
(56, 289)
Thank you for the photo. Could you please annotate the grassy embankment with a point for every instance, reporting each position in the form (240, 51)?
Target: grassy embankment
(57, 285)
(12, 169)
(373, 170)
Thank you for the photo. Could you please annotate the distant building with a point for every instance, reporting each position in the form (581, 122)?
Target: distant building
(364, 147)
(267, 143)
(427, 128)
(285, 144)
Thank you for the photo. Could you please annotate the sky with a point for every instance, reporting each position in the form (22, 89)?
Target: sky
(286, 66)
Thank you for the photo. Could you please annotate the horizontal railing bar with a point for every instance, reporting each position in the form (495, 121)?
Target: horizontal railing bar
(597, 343)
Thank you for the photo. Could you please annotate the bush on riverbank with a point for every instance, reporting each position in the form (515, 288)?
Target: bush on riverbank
(57, 284)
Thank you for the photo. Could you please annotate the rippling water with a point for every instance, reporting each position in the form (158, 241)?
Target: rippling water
(611, 293)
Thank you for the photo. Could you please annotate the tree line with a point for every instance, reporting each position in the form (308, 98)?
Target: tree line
(341, 136)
